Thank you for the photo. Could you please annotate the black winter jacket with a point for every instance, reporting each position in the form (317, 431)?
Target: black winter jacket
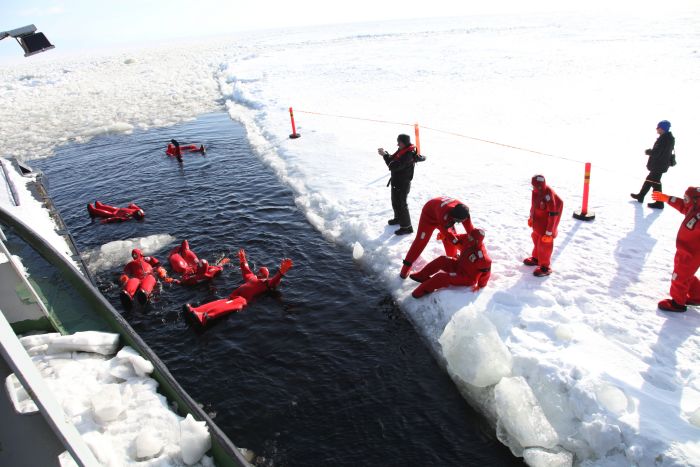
(661, 154)
(402, 168)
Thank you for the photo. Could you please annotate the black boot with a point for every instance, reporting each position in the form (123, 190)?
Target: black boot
(656, 205)
(404, 231)
(637, 197)
(393, 221)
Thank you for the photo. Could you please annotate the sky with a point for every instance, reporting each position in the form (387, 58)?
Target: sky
(81, 26)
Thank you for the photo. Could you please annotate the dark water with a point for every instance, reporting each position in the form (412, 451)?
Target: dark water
(326, 372)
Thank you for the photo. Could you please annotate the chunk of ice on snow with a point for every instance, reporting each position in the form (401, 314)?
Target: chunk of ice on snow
(142, 367)
(536, 457)
(101, 446)
(66, 460)
(521, 415)
(107, 404)
(148, 444)
(357, 251)
(612, 398)
(194, 440)
(473, 349)
(564, 332)
(695, 418)
(104, 343)
(36, 340)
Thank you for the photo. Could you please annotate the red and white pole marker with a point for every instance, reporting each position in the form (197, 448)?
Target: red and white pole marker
(294, 134)
(415, 127)
(584, 214)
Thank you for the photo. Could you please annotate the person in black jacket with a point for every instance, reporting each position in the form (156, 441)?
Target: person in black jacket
(401, 165)
(661, 157)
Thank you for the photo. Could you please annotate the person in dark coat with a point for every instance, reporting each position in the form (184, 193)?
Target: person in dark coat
(401, 165)
(661, 157)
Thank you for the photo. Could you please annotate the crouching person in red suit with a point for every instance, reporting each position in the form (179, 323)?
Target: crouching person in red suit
(441, 214)
(139, 278)
(472, 268)
(254, 285)
(685, 287)
(545, 214)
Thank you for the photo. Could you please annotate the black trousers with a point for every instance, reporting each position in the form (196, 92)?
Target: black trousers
(653, 181)
(399, 201)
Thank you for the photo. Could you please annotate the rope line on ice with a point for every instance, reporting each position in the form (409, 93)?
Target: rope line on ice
(437, 130)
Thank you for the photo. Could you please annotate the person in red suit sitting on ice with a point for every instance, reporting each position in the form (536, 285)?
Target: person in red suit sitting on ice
(545, 214)
(439, 213)
(254, 285)
(139, 278)
(685, 287)
(472, 268)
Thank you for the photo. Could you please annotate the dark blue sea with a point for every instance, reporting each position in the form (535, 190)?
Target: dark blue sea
(325, 372)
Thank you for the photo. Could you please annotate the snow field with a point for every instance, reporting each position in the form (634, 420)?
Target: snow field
(112, 401)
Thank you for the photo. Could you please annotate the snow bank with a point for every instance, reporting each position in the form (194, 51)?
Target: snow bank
(121, 417)
(117, 253)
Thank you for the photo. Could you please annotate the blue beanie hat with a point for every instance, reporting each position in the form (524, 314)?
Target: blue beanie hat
(664, 125)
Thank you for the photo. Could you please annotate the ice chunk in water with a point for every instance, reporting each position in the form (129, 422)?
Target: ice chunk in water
(107, 404)
(536, 457)
(473, 349)
(104, 343)
(142, 367)
(357, 251)
(521, 415)
(148, 443)
(194, 439)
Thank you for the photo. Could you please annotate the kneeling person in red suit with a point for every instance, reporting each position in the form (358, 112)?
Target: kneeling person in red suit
(472, 268)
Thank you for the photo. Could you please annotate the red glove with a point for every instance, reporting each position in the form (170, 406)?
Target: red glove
(241, 255)
(547, 239)
(440, 236)
(123, 279)
(162, 273)
(286, 265)
(450, 237)
(529, 222)
(658, 196)
(223, 261)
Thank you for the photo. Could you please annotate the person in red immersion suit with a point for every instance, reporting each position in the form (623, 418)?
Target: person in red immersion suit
(439, 213)
(685, 287)
(182, 259)
(111, 214)
(472, 268)
(139, 278)
(545, 214)
(204, 272)
(254, 285)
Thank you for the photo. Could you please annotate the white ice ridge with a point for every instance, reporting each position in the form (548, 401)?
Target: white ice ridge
(112, 402)
(117, 253)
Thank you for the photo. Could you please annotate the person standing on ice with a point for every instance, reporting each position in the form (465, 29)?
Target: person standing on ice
(442, 214)
(472, 268)
(254, 285)
(685, 287)
(401, 165)
(661, 157)
(545, 214)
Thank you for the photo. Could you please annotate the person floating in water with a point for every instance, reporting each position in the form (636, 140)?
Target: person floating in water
(254, 285)
(175, 150)
(139, 278)
(110, 214)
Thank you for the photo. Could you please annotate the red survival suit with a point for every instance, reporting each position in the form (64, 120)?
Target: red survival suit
(193, 270)
(138, 278)
(438, 213)
(175, 150)
(685, 287)
(114, 214)
(471, 268)
(545, 215)
(253, 286)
